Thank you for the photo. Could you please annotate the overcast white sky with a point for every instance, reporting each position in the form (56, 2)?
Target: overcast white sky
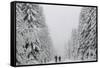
(60, 21)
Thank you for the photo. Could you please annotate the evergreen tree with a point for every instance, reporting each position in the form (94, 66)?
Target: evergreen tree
(33, 44)
(87, 34)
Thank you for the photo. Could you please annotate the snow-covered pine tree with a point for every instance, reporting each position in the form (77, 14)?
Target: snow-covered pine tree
(72, 46)
(33, 44)
(75, 43)
(87, 34)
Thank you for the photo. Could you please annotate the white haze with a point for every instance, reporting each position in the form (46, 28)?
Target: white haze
(60, 21)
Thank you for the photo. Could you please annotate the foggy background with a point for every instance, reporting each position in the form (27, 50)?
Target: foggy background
(60, 21)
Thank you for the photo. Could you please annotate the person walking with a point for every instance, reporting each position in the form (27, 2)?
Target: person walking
(59, 58)
(55, 58)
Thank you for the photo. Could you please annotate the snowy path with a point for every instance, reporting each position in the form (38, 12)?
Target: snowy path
(66, 60)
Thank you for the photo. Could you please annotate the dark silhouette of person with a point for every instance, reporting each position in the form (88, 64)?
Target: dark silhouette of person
(55, 58)
(59, 58)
